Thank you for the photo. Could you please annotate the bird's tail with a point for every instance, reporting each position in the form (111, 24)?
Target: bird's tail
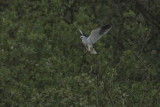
(93, 51)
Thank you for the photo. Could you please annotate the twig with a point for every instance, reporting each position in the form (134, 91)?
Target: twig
(154, 96)
(141, 61)
(97, 100)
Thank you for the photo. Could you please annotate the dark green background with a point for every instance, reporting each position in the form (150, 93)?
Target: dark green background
(44, 64)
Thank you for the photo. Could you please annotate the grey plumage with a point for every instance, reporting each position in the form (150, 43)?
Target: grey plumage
(99, 32)
(94, 36)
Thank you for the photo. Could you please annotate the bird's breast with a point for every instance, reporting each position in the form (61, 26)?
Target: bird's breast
(86, 42)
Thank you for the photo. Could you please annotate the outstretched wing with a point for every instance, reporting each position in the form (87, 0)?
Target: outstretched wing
(99, 32)
(81, 33)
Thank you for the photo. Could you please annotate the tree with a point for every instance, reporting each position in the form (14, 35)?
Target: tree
(43, 62)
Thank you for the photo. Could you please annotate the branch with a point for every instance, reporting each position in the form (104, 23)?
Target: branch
(141, 61)
(154, 96)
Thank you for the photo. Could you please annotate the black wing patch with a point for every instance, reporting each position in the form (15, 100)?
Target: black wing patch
(83, 34)
(104, 28)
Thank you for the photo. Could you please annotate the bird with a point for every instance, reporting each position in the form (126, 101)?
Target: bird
(95, 35)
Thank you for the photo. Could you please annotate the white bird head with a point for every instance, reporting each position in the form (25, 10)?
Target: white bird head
(82, 37)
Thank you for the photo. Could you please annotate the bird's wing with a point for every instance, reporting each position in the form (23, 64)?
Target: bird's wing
(81, 33)
(99, 32)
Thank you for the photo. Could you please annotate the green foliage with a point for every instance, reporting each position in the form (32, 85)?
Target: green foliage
(43, 62)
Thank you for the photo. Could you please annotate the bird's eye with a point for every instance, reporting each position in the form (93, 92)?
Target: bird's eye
(81, 37)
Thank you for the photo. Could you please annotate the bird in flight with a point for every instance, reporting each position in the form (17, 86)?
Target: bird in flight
(94, 36)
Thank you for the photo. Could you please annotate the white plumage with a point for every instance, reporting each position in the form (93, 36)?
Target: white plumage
(94, 36)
